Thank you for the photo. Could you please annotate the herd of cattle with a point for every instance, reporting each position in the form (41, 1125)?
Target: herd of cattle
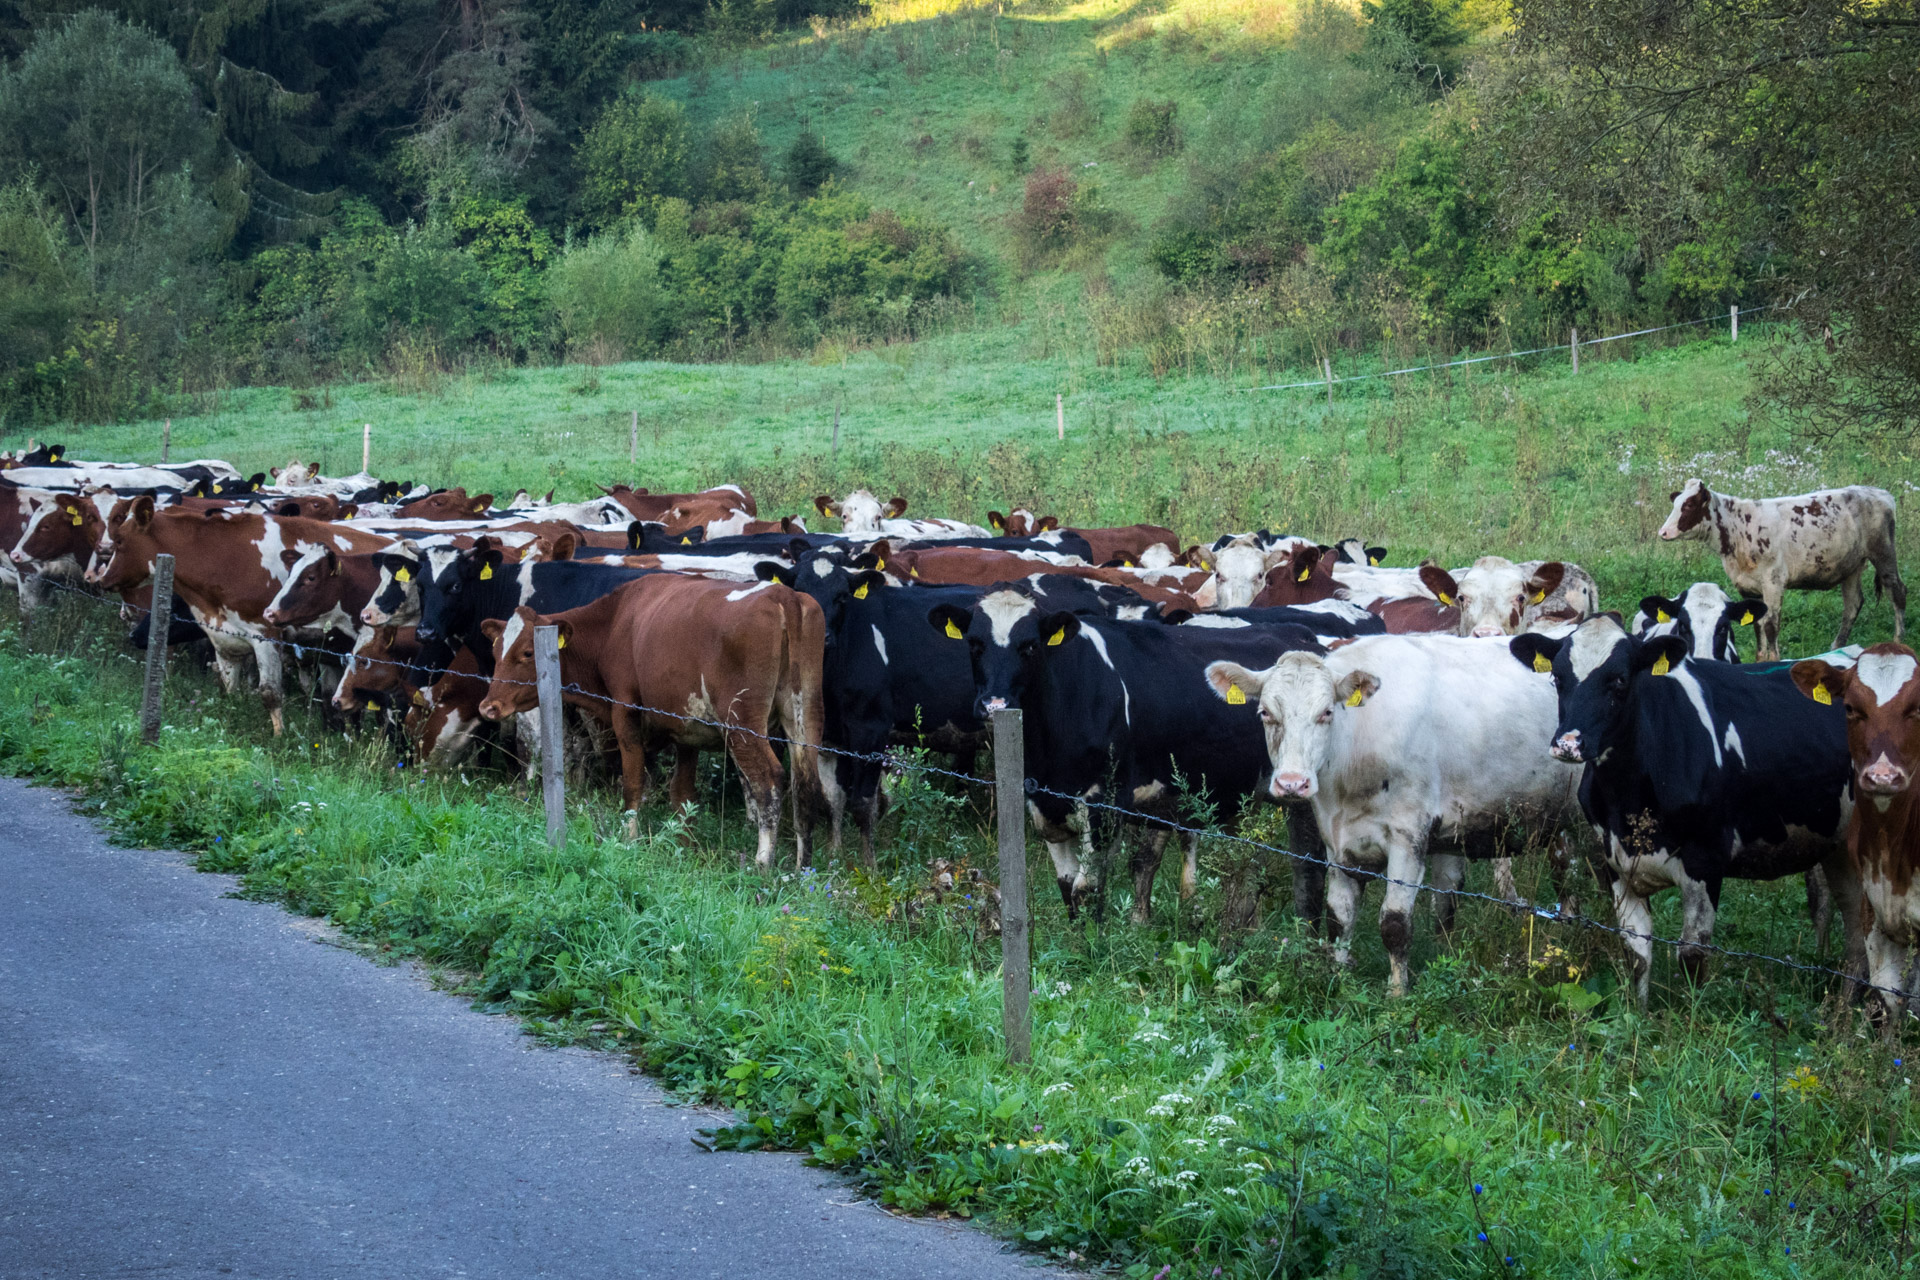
(1409, 718)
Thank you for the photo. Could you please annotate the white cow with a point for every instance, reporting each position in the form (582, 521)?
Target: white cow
(1403, 743)
(1242, 561)
(1497, 597)
(862, 516)
(1810, 542)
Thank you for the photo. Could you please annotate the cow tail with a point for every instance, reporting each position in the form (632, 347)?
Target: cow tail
(802, 700)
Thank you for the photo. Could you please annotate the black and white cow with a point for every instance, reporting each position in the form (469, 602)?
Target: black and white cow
(1120, 704)
(1704, 616)
(1356, 551)
(1697, 773)
(477, 585)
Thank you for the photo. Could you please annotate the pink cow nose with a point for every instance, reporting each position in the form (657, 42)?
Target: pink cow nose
(1567, 747)
(1486, 631)
(1884, 777)
(17, 557)
(995, 704)
(1292, 786)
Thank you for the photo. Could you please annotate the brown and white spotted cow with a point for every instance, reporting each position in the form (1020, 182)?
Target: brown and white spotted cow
(228, 566)
(862, 516)
(702, 664)
(1810, 542)
(1496, 597)
(1881, 693)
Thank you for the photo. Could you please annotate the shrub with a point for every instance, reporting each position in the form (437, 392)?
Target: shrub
(634, 155)
(1151, 131)
(1058, 211)
(731, 165)
(809, 163)
(1419, 38)
(423, 282)
(607, 290)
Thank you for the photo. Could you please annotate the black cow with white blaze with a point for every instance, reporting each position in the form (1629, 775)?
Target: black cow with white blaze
(1120, 705)
(1704, 615)
(1697, 772)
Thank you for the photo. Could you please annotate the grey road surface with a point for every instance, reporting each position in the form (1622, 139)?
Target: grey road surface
(191, 1085)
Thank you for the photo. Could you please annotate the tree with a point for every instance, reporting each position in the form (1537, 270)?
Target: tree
(1420, 38)
(634, 155)
(1787, 124)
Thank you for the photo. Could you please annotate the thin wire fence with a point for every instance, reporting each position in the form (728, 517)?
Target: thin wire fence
(899, 762)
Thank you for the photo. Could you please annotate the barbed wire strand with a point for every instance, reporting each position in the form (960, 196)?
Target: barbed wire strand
(899, 763)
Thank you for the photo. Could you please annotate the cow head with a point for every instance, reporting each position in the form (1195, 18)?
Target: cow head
(1495, 595)
(1705, 616)
(312, 586)
(1356, 551)
(397, 594)
(1005, 634)
(68, 527)
(514, 687)
(1299, 698)
(131, 547)
(1594, 671)
(833, 581)
(446, 600)
(374, 667)
(1241, 562)
(1688, 519)
(860, 514)
(1881, 695)
(1303, 575)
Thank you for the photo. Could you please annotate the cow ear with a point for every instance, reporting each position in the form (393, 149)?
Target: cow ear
(481, 503)
(1441, 583)
(1172, 617)
(1659, 609)
(1823, 683)
(636, 533)
(996, 522)
(879, 551)
(773, 571)
(1058, 628)
(1545, 581)
(1673, 495)
(1744, 613)
(798, 547)
(563, 633)
(347, 511)
(1355, 687)
(1661, 655)
(1233, 684)
(950, 620)
(866, 582)
(141, 513)
(565, 545)
(492, 627)
(1535, 652)
(333, 562)
(1306, 560)
(1047, 524)
(1376, 555)
(824, 505)
(290, 556)
(896, 508)
(792, 524)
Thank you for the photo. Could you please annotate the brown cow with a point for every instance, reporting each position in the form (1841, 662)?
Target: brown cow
(1305, 576)
(445, 721)
(983, 567)
(313, 506)
(654, 506)
(702, 664)
(1881, 693)
(448, 504)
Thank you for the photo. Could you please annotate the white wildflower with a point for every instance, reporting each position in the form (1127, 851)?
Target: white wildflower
(1065, 1086)
(1187, 1175)
(1175, 1099)
(1158, 1110)
(1138, 1167)
(1049, 1148)
(1062, 988)
(1195, 1143)
(1216, 1124)
(1253, 1168)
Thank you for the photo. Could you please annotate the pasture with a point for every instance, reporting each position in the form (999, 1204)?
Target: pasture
(1189, 1111)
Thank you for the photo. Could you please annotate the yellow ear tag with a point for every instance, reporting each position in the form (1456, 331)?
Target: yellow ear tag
(74, 516)
(1821, 696)
(1661, 666)
(1126, 564)
(1446, 599)
(1304, 575)
(1538, 596)
(53, 457)
(1660, 615)
(1357, 697)
(560, 641)
(1541, 664)
(879, 563)
(996, 524)
(685, 541)
(401, 575)
(1057, 636)
(1373, 560)
(1746, 619)
(953, 632)
(1235, 698)
(860, 592)
(914, 572)
(486, 573)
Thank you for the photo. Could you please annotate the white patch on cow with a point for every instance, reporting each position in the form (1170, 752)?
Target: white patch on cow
(1157, 556)
(1885, 674)
(880, 643)
(1592, 645)
(271, 543)
(822, 568)
(1131, 613)
(343, 544)
(744, 592)
(1343, 609)
(1732, 742)
(1216, 622)
(1003, 610)
(515, 625)
(1099, 645)
(1697, 696)
(1126, 697)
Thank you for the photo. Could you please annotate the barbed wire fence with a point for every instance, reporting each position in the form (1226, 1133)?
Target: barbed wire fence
(1012, 838)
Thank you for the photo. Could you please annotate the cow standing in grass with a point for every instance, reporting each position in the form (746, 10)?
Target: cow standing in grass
(1811, 542)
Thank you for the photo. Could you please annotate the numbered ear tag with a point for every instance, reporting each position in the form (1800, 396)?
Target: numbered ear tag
(1357, 697)
(1746, 619)
(1661, 666)
(1821, 696)
(1235, 698)
(401, 575)
(1126, 564)
(1058, 636)
(486, 573)
(1660, 615)
(1446, 600)
(1541, 664)
(860, 592)
(953, 632)
(74, 518)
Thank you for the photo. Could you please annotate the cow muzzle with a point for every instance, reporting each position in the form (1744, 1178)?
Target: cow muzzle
(1567, 747)
(373, 616)
(491, 710)
(990, 705)
(1487, 631)
(1292, 786)
(1884, 778)
(17, 557)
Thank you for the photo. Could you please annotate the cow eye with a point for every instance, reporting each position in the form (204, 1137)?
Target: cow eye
(1325, 716)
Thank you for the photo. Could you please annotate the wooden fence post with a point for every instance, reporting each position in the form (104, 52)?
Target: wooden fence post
(553, 785)
(166, 441)
(1326, 367)
(159, 622)
(1060, 414)
(1016, 975)
(1574, 346)
(366, 449)
(1733, 320)
(633, 439)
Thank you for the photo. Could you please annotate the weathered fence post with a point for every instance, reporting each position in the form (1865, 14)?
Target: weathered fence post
(1573, 345)
(1733, 320)
(546, 669)
(1060, 414)
(633, 438)
(159, 622)
(1010, 777)
(1326, 367)
(166, 441)
(366, 449)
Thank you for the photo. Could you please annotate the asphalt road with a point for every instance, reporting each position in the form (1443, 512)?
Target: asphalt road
(192, 1085)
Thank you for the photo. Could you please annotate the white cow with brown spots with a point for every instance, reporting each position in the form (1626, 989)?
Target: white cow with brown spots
(1811, 542)
(862, 516)
(1496, 597)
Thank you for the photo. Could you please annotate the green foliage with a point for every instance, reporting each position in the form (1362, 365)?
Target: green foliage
(809, 163)
(1151, 130)
(731, 164)
(514, 253)
(1418, 38)
(635, 154)
(607, 292)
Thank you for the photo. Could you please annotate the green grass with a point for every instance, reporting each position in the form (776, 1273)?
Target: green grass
(1262, 1113)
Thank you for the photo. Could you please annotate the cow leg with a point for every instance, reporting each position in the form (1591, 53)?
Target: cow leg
(1886, 576)
(1190, 867)
(1843, 879)
(683, 782)
(1819, 907)
(1887, 972)
(266, 656)
(1851, 599)
(1697, 901)
(1406, 870)
(835, 795)
(1309, 866)
(1634, 914)
(1145, 866)
(1503, 884)
(863, 797)
(1343, 907)
(33, 594)
(1449, 873)
(1773, 593)
(760, 772)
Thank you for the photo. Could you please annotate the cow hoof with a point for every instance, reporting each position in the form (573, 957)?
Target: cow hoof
(630, 829)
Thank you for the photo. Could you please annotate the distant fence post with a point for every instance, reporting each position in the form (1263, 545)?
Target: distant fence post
(553, 785)
(1060, 414)
(166, 441)
(159, 622)
(1010, 777)
(366, 449)
(1326, 367)
(1733, 320)
(633, 438)
(1573, 345)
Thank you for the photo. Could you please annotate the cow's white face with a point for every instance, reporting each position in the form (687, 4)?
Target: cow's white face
(1688, 519)
(1298, 698)
(1492, 597)
(860, 513)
